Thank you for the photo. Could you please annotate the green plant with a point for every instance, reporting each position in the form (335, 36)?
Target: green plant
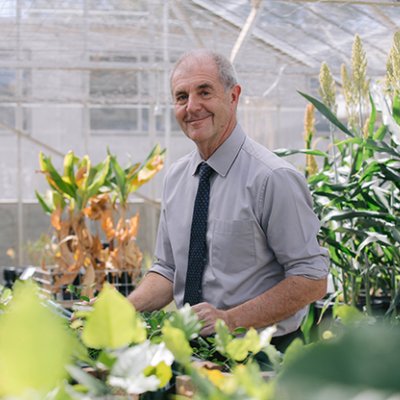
(112, 350)
(87, 204)
(356, 190)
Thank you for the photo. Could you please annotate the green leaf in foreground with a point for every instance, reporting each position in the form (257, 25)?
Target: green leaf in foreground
(35, 345)
(176, 342)
(113, 323)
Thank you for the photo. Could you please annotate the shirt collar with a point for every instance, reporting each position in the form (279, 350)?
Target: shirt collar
(223, 158)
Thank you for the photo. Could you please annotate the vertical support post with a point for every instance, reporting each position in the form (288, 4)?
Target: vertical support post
(85, 80)
(167, 102)
(19, 127)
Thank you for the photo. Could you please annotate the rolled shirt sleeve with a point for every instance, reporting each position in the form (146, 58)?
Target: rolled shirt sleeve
(291, 226)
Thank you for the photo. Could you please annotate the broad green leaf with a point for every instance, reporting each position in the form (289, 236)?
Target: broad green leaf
(326, 112)
(113, 323)
(99, 178)
(69, 163)
(35, 344)
(253, 341)
(363, 361)
(347, 314)
(176, 342)
(237, 349)
(294, 350)
(54, 178)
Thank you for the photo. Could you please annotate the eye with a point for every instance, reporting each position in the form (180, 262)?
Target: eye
(205, 93)
(180, 98)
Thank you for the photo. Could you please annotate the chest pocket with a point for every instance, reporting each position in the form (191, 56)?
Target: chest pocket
(233, 245)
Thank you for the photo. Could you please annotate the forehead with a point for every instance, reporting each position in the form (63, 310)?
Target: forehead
(195, 72)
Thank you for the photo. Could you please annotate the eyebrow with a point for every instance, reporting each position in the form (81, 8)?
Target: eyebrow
(199, 87)
(205, 86)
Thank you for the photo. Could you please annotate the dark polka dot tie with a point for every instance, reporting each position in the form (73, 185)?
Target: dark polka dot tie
(198, 244)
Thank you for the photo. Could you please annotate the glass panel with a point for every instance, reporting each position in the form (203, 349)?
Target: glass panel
(113, 119)
(7, 118)
(113, 84)
(7, 83)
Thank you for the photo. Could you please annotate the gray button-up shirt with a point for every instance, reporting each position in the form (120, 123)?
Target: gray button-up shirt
(261, 226)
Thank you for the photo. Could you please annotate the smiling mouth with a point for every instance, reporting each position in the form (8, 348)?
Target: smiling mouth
(194, 120)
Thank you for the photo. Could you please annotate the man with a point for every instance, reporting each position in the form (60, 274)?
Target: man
(263, 264)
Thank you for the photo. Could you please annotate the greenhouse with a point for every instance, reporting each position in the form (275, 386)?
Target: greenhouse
(93, 132)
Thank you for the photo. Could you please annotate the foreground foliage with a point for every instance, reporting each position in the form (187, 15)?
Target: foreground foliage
(111, 351)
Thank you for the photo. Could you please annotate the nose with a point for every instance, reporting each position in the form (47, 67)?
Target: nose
(193, 104)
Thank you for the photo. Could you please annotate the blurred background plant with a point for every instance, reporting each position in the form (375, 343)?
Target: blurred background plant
(88, 209)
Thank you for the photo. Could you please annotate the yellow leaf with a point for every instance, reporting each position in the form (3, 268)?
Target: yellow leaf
(113, 323)
(35, 345)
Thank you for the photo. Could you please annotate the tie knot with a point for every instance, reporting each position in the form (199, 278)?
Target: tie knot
(205, 171)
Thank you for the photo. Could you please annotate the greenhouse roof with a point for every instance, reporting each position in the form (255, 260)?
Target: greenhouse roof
(311, 31)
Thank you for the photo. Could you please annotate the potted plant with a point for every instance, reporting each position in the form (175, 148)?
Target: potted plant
(88, 207)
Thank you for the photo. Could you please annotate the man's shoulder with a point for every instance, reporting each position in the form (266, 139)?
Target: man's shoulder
(263, 157)
(181, 164)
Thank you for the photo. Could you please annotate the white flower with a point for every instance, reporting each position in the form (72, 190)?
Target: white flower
(128, 371)
(266, 336)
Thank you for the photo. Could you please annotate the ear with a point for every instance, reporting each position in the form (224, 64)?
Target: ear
(235, 93)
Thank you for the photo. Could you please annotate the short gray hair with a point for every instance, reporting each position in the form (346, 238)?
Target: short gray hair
(226, 71)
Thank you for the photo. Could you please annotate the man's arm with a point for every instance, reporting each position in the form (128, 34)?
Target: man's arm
(153, 293)
(272, 306)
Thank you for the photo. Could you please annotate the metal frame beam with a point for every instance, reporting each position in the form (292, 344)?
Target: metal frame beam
(182, 16)
(247, 28)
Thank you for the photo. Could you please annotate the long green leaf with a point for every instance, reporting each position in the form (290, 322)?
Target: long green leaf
(357, 161)
(101, 172)
(289, 152)
(327, 113)
(343, 215)
(396, 109)
(46, 207)
(69, 162)
(59, 184)
(372, 117)
(120, 178)
(391, 175)
(380, 133)
(382, 147)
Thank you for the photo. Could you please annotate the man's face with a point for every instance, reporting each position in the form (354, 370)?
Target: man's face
(204, 110)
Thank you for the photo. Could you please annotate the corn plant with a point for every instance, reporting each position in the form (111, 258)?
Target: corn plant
(356, 189)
